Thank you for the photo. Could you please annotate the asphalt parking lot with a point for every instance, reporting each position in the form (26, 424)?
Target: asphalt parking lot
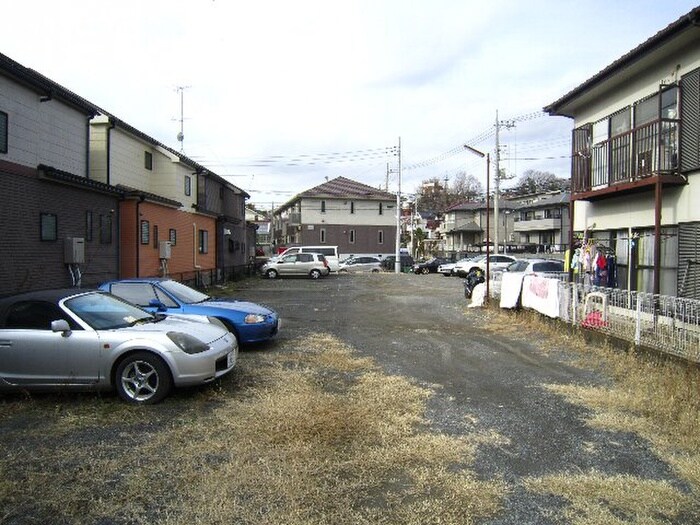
(384, 399)
(418, 326)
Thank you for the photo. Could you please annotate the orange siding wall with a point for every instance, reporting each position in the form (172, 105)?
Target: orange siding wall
(143, 260)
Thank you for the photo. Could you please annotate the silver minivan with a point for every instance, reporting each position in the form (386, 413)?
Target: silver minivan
(313, 265)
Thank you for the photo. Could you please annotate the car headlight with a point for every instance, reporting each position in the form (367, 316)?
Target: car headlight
(187, 343)
(254, 319)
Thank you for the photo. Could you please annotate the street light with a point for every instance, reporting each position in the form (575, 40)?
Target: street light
(488, 236)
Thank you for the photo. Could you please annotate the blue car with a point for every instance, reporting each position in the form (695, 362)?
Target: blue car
(249, 322)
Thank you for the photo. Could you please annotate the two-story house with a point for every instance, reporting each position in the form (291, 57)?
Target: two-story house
(540, 222)
(177, 218)
(635, 176)
(57, 226)
(464, 227)
(357, 218)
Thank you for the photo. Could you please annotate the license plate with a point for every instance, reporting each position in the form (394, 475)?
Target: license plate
(230, 359)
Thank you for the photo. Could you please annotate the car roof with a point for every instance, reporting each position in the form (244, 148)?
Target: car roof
(54, 295)
(50, 296)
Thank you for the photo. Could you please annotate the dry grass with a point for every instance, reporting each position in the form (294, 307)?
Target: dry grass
(313, 435)
(656, 399)
(597, 499)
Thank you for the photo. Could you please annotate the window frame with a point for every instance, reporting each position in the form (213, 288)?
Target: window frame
(105, 229)
(145, 232)
(148, 160)
(48, 232)
(4, 136)
(351, 236)
(172, 236)
(188, 186)
(88, 226)
(203, 241)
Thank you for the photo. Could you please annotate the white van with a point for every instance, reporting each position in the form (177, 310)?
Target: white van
(330, 252)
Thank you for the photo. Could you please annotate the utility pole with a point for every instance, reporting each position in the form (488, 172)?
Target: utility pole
(397, 264)
(497, 178)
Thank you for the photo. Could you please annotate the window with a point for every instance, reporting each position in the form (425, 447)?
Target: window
(352, 236)
(305, 257)
(381, 208)
(141, 294)
(48, 227)
(3, 132)
(35, 315)
(221, 192)
(155, 236)
(646, 110)
(203, 241)
(380, 237)
(173, 236)
(148, 160)
(145, 232)
(188, 185)
(88, 226)
(323, 206)
(323, 236)
(106, 229)
(352, 207)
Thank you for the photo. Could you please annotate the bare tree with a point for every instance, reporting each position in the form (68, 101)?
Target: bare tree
(533, 181)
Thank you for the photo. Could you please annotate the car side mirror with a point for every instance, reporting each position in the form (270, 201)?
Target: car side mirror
(155, 303)
(61, 325)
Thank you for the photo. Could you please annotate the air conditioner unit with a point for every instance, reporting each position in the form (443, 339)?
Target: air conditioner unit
(165, 249)
(74, 250)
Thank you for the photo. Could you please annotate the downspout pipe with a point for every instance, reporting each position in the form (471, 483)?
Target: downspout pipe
(658, 196)
(138, 234)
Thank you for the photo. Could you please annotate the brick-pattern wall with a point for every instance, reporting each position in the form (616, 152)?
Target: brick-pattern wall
(26, 262)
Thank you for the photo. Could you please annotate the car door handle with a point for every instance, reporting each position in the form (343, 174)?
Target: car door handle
(5, 344)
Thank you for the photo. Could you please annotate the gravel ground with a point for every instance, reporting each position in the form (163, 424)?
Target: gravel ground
(419, 327)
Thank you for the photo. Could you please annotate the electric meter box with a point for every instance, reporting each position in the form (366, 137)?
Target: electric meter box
(166, 249)
(74, 250)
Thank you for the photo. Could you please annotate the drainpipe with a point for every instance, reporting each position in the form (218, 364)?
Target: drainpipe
(657, 237)
(138, 234)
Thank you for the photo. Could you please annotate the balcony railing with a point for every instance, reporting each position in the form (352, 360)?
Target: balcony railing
(650, 149)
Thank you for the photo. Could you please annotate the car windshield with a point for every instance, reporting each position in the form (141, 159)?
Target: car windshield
(184, 293)
(102, 311)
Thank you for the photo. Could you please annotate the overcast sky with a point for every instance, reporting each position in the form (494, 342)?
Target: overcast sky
(279, 95)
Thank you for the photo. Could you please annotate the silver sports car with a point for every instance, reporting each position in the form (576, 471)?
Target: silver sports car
(77, 339)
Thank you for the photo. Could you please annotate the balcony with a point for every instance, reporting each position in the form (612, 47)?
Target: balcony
(628, 161)
(537, 224)
(295, 219)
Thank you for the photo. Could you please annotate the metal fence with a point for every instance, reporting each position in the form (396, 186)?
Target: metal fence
(667, 324)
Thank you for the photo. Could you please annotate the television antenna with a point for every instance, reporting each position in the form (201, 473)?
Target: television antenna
(181, 134)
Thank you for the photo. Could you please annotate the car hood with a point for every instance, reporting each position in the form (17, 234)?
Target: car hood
(203, 331)
(237, 306)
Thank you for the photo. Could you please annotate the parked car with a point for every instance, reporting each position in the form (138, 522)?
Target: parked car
(447, 269)
(360, 264)
(429, 266)
(496, 262)
(331, 254)
(249, 322)
(91, 340)
(536, 266)
(542, 267)
(389, 263)
(313, 265)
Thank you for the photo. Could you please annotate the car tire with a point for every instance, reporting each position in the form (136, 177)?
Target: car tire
(143, 378)
(425, 271)
(315, 274)
(271, 274)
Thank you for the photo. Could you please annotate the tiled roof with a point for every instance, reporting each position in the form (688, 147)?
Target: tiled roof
(44, 86)
(52, 173)
(341, 188)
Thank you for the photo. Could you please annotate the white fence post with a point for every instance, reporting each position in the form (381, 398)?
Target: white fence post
(638, 322)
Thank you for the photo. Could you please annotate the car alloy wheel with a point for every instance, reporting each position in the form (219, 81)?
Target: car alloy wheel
(271, 274)
(426, 271)
(142, 378)
(315, 274)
